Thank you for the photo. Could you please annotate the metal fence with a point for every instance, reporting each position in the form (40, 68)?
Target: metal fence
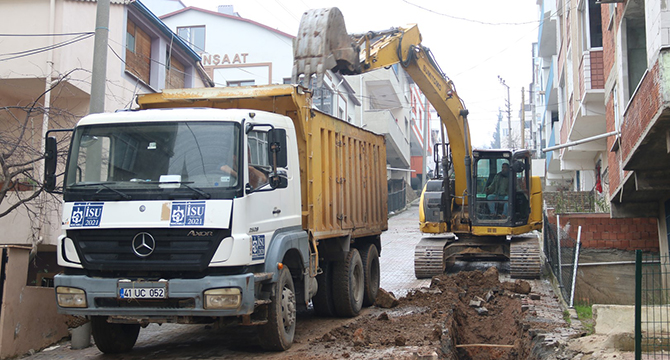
(652, 308)
(396, 200)
(560, 249)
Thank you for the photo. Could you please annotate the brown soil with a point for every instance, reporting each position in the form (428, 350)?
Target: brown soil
(440, 319)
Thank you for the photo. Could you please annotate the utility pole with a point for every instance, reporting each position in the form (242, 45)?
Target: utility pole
(99, 71)
(509, 114)
(81, 338)
(533, 126)
(523, 119)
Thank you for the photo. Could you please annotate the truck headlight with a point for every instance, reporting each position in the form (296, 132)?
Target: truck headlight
(223, 298)
(69, 297)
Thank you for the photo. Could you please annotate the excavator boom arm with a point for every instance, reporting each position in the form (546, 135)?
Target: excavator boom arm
(323, 44)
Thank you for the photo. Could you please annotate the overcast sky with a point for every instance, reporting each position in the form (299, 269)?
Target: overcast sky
(474, 42)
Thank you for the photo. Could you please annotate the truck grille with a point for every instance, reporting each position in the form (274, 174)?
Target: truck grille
(178, 303)
(170, 249)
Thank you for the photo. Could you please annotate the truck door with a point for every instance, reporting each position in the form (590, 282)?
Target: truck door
(265, 212)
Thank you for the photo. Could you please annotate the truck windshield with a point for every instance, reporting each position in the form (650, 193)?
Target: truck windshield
(154, 157)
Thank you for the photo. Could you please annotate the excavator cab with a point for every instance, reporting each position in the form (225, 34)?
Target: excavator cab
(501, 183)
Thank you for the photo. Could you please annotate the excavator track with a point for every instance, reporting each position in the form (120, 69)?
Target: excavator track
(429, 258)
(525, 261)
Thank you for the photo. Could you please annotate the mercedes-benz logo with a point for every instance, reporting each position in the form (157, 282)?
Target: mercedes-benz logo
(143, 244)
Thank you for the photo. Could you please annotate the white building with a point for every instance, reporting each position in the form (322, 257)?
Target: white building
(235, 51)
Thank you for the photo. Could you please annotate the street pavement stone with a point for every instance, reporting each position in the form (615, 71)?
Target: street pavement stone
(397, 256)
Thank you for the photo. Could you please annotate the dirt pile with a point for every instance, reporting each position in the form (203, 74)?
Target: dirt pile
(469, 315)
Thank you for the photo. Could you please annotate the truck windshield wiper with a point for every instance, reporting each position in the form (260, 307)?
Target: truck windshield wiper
(104, 185)
(180, 183)
(192, 188)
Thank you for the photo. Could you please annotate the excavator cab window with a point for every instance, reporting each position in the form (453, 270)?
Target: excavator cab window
(521, 201)
(492, 188)
(501, 184)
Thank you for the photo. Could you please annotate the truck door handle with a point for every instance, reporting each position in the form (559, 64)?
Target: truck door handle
(276, 211)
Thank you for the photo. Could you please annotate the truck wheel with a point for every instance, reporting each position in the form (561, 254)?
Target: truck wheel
(323, 300)
(348, 285)
(113, 338)
(370, 258)
(277, 334)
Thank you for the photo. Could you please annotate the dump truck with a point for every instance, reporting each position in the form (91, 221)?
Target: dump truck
(217, 205)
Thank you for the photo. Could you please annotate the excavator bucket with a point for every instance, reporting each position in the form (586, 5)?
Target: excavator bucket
(323, 44)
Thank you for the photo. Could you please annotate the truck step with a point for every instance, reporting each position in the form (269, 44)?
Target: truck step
(260, 277)
(260, 302)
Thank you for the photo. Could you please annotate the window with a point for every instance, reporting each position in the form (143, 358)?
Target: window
(241, 83)
(634, 45)
(194, 37)
(595, 24)
(130, 40)
(175, 75)
(323, 99)
(138, 52)
(287, 81)
(591, 25)
(258, 148)
(138, 155)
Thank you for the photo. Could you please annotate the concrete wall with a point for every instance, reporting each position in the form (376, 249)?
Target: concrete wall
(19, 228)
(28, 317)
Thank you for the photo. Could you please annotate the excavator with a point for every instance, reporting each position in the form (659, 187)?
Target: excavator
(480, 204)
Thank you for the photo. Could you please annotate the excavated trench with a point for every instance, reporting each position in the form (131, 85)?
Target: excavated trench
(468, 315)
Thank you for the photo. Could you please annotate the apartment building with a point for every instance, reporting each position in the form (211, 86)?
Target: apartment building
(569, 78)
(386, 109)
(636, 39)
(45, 83)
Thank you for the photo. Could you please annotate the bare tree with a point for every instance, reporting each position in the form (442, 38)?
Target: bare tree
(21, 154)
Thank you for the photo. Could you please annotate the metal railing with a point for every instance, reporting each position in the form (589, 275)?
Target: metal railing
(560, 249)
(652, 306)
(396, 200)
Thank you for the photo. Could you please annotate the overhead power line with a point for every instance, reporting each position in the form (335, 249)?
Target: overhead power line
(35, 51)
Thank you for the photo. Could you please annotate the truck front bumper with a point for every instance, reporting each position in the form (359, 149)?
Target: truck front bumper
(185, 297)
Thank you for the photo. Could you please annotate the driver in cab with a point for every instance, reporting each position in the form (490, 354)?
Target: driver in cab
(499, 189)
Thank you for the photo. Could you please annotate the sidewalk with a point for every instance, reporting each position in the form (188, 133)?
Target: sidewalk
(397, 256)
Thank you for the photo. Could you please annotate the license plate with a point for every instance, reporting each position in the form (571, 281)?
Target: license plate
(142, 291)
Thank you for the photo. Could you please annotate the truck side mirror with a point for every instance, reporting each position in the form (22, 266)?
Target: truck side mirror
(277, 147)
(278, 180)
(50, 161)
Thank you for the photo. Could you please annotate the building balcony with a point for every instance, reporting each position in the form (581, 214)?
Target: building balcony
(383, 88)
(588, 119)
(547, 33)
(644, 146)
(397, 145)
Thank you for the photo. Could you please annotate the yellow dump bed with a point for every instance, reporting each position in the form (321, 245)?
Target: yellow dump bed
(342, 167)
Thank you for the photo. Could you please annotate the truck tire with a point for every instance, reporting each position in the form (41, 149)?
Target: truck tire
(370, 258)
(348, 285)
(277, 334)
(323, 300)
(113, 338)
